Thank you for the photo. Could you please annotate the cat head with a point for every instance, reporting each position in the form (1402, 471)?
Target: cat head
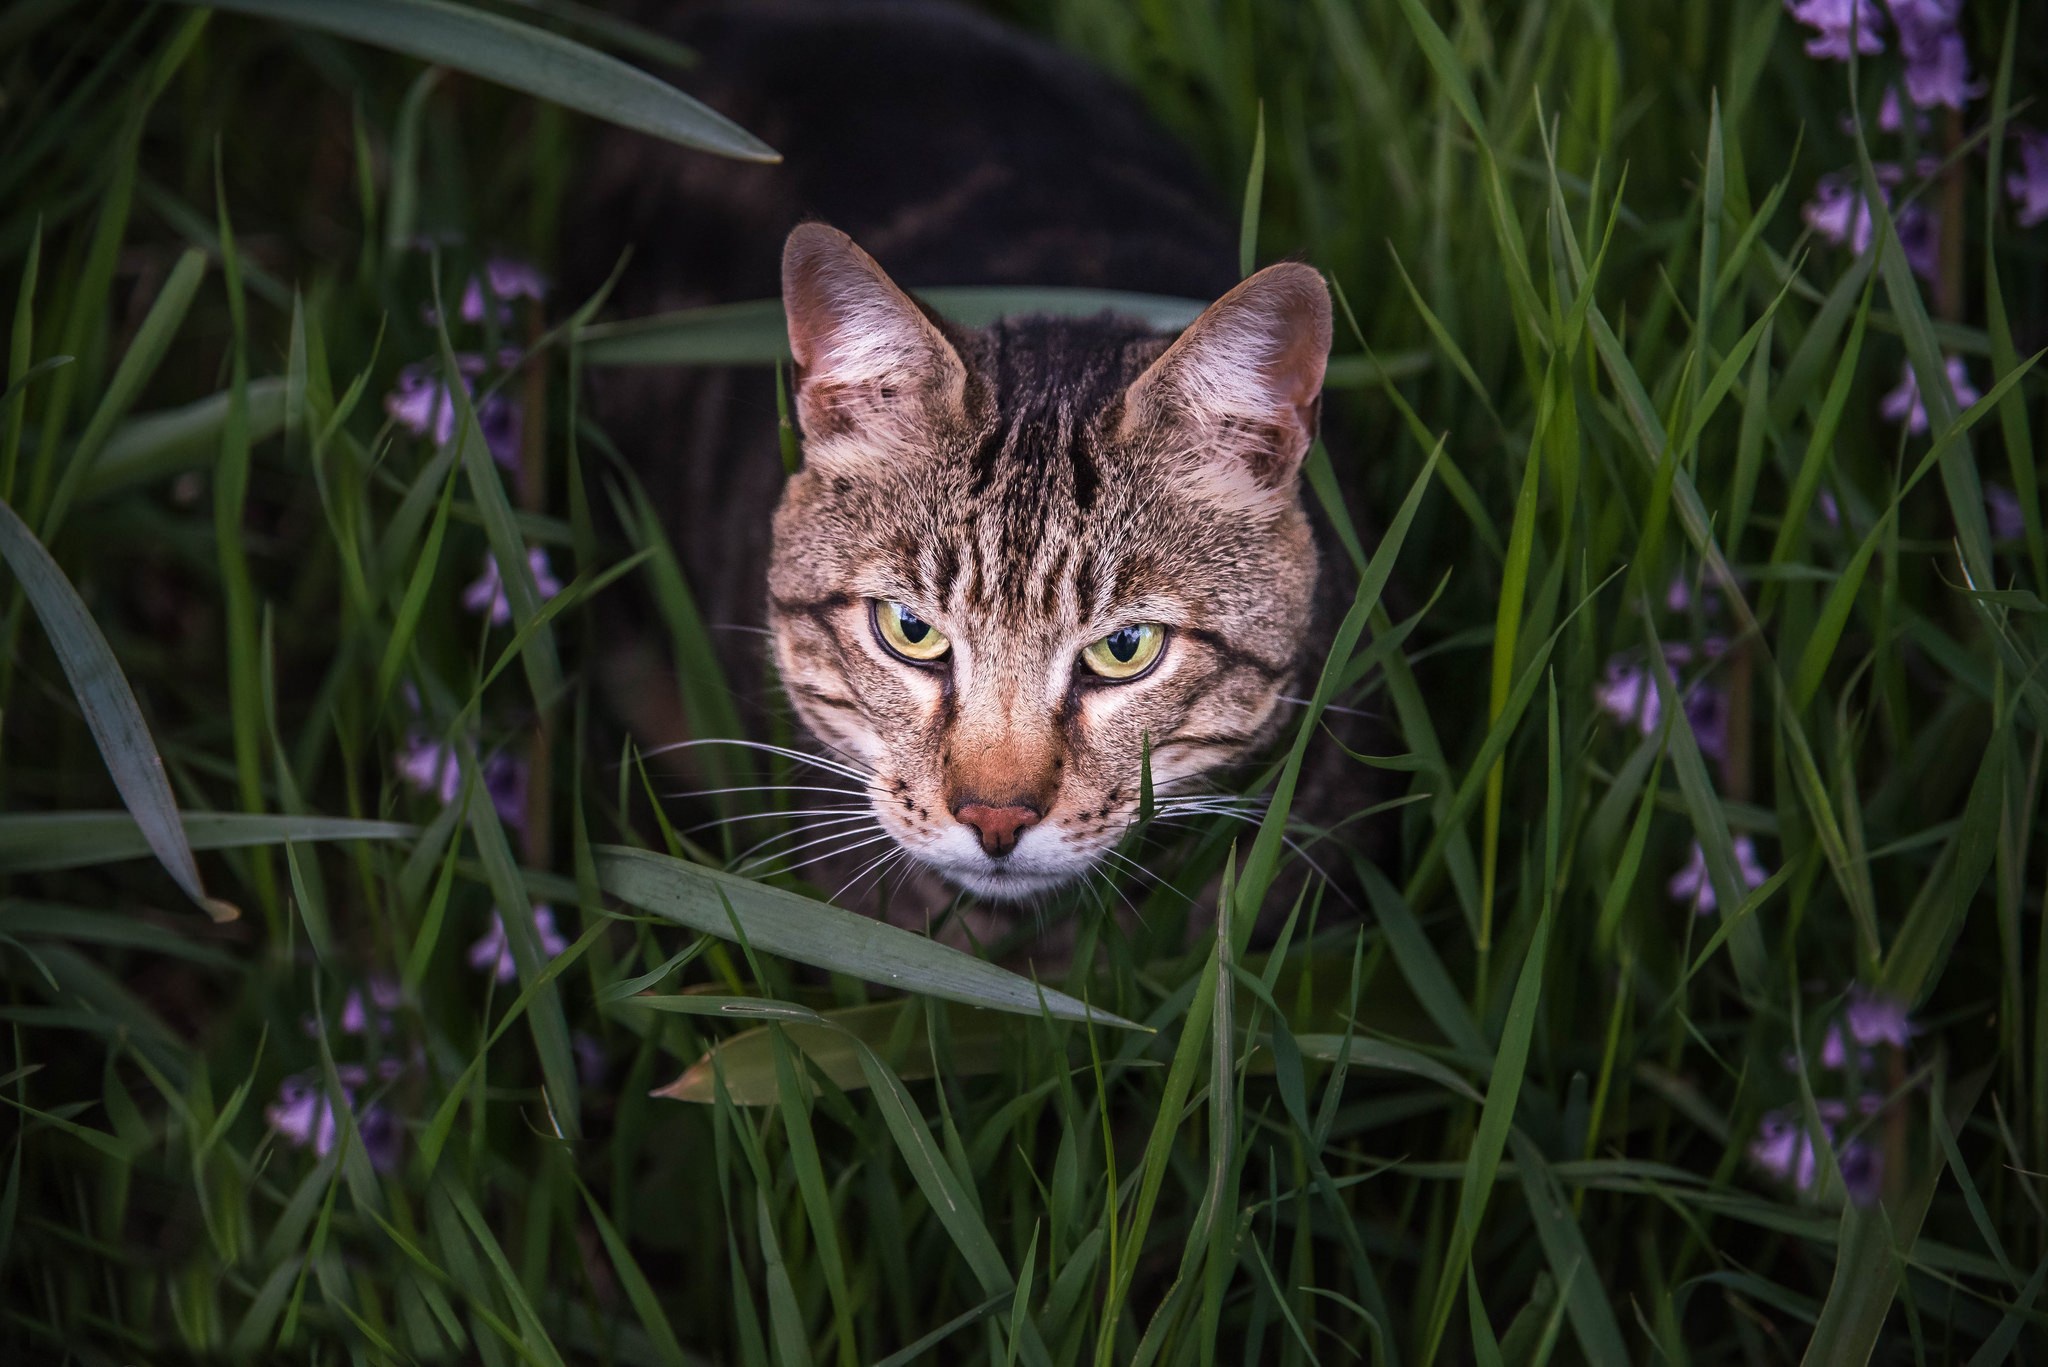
(1015, 559)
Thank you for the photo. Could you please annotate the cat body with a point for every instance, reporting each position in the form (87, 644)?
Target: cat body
(990, 526)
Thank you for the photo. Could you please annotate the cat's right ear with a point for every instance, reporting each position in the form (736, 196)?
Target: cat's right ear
(1236, 397)
(873, 374)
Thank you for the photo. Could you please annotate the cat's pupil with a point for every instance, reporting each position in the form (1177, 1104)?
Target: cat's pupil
(1123, 643)
(913, 628)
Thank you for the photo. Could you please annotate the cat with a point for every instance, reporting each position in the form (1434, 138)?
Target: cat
(1017, 559)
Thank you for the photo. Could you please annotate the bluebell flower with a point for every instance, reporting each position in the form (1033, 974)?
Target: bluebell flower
(2028, 186)
(1692, 886)
(487, 594)
(493, 953)
(1937, 64)
(305, 1116)
(1785, 1149)
(507, 279)
(429, 766)
(1839, 24)
(1903, 403)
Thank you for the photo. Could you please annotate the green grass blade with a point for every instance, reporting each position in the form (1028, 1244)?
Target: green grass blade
(138, 364)
(525, 58)
(32, 842)
(110, 709)
(794, 927)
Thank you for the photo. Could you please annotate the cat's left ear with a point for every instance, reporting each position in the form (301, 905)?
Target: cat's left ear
(1239, 391)
(871, 367)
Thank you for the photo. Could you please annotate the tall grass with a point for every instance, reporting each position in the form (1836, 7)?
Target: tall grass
(1659, 606)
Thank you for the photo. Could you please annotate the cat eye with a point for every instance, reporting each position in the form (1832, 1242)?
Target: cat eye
(907, 635)
(1125, 653)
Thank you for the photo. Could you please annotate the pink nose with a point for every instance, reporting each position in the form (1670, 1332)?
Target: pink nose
(997, 826)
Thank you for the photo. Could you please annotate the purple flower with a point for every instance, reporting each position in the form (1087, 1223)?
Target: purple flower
(1706, 712)
(1862, 1171)
(1920, 240)
(1904, 401)
(504, 425)
(1785, 1149)
(381, 1135)
(356, 1012)
(514, 279)
(422, 404)
(1937, 65)
(505, 778)
(508, 280)
(1830, 511)
(1938, 71)
(1839, 212)
(2028, 186)
(431, 767)
(1891, 114)
(472, 306)
(2008, 522)
(1877, 1019)
(1628, 695)
(306, 1116)
(1678, 595)
(493, 953)
(1693, 886)
(1838, 23)
(487, 594)
(303, 1114)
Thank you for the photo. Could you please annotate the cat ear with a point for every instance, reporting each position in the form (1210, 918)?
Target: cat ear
(1239, 391)
(869, 364)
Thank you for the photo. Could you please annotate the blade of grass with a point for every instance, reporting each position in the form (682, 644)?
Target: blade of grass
(110, 709)
(795, 927)
(525, 58)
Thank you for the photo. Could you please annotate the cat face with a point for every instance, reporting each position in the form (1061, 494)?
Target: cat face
(1014, 559)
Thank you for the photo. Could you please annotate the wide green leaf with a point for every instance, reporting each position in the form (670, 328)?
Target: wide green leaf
(794, 927)
(36, 841)
(525, 58)
(109, 706)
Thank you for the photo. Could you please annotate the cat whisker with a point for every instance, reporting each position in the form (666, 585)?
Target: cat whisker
(1134, 866)
(1332, 707)
(1206, 808)
(847, 812)
(838, 851)
(1102, 903)
(786, 752)
(688, 793)
(843, 825)
(827, 839)
(878, 865)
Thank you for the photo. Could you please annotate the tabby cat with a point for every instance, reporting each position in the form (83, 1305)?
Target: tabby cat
(1015, 559)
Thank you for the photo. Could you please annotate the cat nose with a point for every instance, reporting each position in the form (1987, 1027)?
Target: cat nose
(998, 827)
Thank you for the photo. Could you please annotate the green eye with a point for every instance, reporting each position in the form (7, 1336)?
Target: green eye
(1126, 652)
(907, 634)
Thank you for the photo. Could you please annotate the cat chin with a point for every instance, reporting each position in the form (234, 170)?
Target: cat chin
(999, 884)
(1028, 872)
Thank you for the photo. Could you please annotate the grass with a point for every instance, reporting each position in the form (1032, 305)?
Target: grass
(1588, 350)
